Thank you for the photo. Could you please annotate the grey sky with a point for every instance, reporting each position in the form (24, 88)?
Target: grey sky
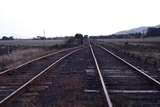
(28, 18)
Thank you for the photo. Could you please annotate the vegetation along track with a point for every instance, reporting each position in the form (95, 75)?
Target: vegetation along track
(127, 86)
(16, 81)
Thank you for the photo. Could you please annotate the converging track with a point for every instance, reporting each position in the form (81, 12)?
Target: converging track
(89, 76)
(126, 85)
(16, 81)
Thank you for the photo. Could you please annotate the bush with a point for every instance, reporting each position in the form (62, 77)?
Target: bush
(7, 38)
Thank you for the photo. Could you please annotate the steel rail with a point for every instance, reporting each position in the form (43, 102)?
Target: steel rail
(39, 58)
(25, 85)
(132, 66)
(109, 103)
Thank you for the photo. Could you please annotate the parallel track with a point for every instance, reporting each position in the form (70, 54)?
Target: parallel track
(94, 77)
(15, 82)
(34, 60)
(125, 84)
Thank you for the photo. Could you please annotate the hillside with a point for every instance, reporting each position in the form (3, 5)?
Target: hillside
(142, 30)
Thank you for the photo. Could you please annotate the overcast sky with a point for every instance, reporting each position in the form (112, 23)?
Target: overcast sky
(28, 18)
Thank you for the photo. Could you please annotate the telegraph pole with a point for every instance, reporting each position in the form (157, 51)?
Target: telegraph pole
(44, 33)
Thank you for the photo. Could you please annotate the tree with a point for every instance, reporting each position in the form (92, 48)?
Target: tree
(79, 38)
(153, 31)
(10, 38)
(7, 38)
(78, 35)
(40, 38)
(86, 36)
(4, 38)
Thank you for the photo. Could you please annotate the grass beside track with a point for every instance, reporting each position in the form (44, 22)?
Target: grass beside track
(21, 56)
(27, 42)
(16, 52)
(146, 51)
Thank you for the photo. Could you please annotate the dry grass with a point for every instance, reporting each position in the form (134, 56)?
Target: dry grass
(149, 39)
(19, 56)
(25, 42)
(147, 52)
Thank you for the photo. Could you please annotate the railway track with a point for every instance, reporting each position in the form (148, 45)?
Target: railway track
(31, 61)
(75, 83)
(22, 80)
(125, 85)
(90, 77)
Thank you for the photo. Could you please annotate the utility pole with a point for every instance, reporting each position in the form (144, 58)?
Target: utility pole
(143, 35)
(44, 33)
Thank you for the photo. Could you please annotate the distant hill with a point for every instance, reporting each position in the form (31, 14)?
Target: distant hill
(142, 30)
(158, 26)
(135, 30)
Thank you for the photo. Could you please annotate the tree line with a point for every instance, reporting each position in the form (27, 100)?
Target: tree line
(7, 38)
(153, 32)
